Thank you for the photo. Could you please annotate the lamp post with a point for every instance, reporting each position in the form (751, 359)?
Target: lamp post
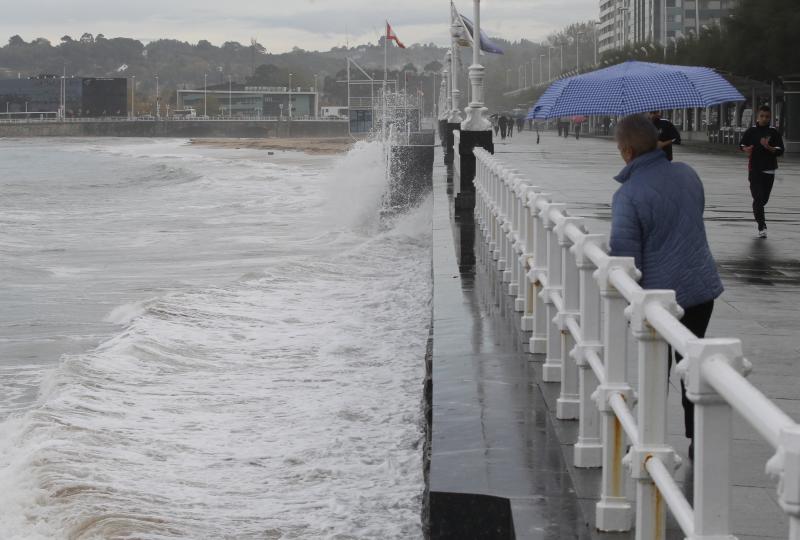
(594, 34)
(541, 63)
(578, 51)
(476, 130)
(697, 18)
(205, 95)
(550, 63)
(290, 96)
(158, 102)
(624, 11)
(562, 58)
(133, 97)
(455, 33)
(230, 96)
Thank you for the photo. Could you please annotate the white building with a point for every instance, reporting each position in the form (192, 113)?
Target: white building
(656, 21)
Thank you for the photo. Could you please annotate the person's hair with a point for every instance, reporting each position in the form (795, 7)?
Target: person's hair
(637, 133)
(765, 108)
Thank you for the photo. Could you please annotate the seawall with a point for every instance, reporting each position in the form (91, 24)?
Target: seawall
(180, 128)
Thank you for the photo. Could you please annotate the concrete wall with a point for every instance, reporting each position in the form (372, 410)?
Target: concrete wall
(182, 128)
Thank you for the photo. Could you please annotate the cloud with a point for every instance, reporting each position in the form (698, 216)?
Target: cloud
(280, 25)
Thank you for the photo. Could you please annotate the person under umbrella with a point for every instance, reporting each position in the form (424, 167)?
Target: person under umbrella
(668, 134)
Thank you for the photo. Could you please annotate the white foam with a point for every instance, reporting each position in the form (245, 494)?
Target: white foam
(281, 401)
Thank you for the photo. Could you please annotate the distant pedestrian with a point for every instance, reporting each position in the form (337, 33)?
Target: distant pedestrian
(503, 123)
(577, 131)
(520, 124)
(566, 129)
(530, 124)
(495, 125)
(510, 121)
(657, 218)
(764, 145)
(668, 134)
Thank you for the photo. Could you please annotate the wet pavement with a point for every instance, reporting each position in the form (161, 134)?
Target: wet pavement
(494, 426)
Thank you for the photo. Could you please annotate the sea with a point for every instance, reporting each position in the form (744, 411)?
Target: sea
(208, 343)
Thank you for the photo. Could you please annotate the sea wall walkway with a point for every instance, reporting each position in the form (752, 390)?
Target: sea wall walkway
(494, 427)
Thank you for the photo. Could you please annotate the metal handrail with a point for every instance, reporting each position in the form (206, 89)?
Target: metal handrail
(580, 305)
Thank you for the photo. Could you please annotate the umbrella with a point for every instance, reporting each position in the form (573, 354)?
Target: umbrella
(634, 87)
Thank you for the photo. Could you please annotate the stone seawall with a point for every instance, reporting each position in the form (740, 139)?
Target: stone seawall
(182, 129)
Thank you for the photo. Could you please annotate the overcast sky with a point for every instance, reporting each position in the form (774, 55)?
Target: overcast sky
(281, 24)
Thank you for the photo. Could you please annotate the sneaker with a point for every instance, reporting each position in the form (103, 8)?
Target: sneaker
(762, 233)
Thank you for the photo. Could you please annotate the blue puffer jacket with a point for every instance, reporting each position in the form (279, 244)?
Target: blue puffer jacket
(657, 218)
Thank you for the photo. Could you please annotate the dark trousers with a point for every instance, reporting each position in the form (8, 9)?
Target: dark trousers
(695, 319)
(760, 188)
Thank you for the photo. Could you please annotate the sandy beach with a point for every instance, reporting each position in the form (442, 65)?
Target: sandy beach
(311, 146)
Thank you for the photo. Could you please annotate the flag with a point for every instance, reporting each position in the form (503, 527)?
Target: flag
(391, 36)
(466, 39)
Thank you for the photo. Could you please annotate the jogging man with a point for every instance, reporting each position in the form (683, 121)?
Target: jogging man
(668, 134)
(764, 145)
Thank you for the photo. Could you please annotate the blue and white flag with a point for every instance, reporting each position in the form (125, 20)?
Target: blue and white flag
(487, 45)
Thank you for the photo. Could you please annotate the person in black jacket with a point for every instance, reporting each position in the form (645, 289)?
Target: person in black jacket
(668, 134)
(764, 145)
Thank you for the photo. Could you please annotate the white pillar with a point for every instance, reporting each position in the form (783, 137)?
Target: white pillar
(455, 113)
(551, 370)
(568, 403)
(538, 341)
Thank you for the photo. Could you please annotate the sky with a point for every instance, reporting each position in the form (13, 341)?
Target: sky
(280, 25)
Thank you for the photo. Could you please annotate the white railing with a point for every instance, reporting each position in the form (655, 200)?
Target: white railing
(580, 303)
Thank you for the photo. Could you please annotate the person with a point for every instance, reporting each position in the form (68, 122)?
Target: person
(657, 218)
(503, 123)
(510, 123)
(577, 130)
(566, 127)
(668, 134)
(764, 145)
(495, 124)
(520, 124)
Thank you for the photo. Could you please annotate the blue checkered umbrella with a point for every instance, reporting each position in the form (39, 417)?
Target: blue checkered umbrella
(634, 87)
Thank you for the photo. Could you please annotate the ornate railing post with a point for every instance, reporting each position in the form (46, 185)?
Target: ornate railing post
(613, 509)
(538, 341)
(568, 404)
(524, 300)
(589, 446)
(551, 370)
(713, 433)
(651, 511)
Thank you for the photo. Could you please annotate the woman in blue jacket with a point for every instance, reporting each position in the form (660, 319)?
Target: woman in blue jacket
(657, 218)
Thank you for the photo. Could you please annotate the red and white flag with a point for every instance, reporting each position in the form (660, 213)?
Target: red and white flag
(391, 36)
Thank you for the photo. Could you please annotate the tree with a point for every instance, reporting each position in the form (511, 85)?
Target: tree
(15, 41)
(42, 42)
(67, 39)
(410, 67)
(87, 38)
(433, 67)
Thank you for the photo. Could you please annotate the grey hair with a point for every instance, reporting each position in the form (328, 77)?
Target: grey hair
(637, 133)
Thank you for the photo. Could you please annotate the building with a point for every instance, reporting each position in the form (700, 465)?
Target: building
(240, 100)
(82, 96)
(335, 112)
(625, 22)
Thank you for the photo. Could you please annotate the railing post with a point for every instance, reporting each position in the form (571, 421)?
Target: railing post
(538, 341)
(551, 370)
(713, 436)
(519, 242)
(509, 274)
(651, 510)
(589, 446)
(568, 404)
(524, 301)
(613, 510)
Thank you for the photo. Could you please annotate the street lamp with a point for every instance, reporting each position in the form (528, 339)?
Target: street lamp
(541, 63)
(624, 12)
(158, 100)
(550, 63)
(562, 57)
(578, 50)
(205, 95)
(230, 96)
(133, 97)
(290, 96)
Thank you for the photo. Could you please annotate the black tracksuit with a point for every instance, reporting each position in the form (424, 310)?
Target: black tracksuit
(667, 132)
(763, 164)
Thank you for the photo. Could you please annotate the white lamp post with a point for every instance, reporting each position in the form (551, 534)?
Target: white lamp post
(158, 100)
(205, 95)
(290, 96)
(578, 51)
(476, 117)
(455, 112)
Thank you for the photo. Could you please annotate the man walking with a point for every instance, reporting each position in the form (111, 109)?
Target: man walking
(668, 134)
(657, 218)
(764, 145)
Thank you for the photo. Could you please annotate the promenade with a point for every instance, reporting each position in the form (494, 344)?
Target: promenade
(501, 430)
